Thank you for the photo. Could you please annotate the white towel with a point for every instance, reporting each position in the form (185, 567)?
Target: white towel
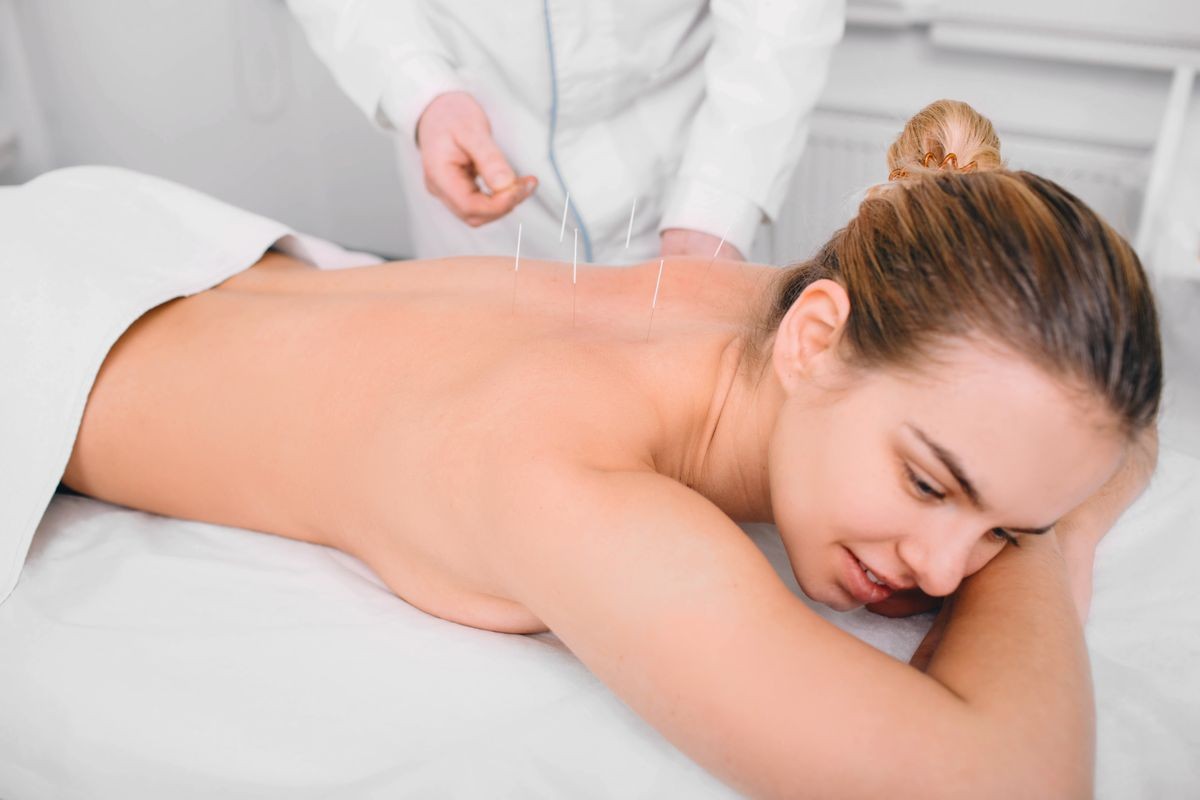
(84, 252)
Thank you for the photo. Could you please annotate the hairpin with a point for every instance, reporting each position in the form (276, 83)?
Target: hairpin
(952, 160)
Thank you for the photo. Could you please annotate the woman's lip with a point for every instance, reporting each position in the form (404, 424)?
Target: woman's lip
(862, 588)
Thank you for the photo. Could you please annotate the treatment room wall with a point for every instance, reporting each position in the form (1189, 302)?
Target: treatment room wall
(222, 95)
(225, 95)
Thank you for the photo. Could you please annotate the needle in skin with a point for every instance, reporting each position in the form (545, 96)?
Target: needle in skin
(704, 280)
(720, 245)
(629, 233)
(654, 302)
(563, 228)
(574, 266)
(516, 268)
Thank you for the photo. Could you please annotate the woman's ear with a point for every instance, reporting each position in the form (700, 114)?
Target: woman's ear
(806, 342)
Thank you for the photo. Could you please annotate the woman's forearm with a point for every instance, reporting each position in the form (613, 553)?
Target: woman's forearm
(1013, 650)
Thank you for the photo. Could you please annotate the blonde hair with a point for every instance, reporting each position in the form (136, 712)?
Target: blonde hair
(941, 129)
(941, 253)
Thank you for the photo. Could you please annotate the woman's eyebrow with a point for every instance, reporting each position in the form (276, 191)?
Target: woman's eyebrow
(952, 463)
(1034, 531)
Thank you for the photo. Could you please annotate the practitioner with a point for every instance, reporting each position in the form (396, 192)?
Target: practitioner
(686, 117)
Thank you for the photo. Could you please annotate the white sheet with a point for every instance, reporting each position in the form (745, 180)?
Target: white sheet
(144, 657)
(84, 252)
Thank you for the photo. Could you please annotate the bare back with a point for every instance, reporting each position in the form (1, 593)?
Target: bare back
(371, 409)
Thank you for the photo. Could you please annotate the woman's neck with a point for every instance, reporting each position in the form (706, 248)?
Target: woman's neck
(718, 406)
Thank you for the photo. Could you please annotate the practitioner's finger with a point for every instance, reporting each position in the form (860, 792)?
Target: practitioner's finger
(503, 189)
(490, 163)
(476, 207)
(450, 173)
(515, 193)
(456, 145)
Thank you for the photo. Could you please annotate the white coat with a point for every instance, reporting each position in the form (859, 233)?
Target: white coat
(698, 110)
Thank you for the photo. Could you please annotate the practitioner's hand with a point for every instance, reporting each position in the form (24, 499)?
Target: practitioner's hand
(683, 242)
(455, 140)
(1082, 529)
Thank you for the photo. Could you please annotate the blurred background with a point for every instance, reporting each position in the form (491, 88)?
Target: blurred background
(226, 96)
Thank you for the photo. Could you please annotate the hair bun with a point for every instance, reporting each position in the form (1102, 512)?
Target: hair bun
(946, 134)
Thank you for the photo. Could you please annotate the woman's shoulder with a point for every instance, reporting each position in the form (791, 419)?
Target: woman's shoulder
(670, 604)
(570, 523)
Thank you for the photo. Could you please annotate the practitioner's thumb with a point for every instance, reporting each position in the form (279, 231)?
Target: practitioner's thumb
(490, 163)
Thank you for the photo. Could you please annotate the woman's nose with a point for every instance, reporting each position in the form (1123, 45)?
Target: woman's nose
(938, 558)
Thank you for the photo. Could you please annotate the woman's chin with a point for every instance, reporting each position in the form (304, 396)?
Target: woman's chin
(831, 597)
(842, 604)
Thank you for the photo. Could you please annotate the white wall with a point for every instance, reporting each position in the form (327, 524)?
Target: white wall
(222, 95)
(20, 113)
(1164, 21)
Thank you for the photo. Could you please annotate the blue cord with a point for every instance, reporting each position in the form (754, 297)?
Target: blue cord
(587, 239)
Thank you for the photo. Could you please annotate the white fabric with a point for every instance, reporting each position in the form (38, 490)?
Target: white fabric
(84, 252)
(697, 109)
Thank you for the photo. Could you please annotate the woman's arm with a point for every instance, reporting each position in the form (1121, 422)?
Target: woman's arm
(1081, 530)
(670, 604)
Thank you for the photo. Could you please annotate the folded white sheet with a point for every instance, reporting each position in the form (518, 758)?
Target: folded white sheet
(84, 252)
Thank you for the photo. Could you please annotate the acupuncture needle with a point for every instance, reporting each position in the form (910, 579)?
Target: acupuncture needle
(574, 267)
(704, 280)
(516, 268)
(654, 302)
(563, 228)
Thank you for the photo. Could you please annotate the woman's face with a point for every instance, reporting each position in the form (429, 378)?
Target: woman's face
(922, 478)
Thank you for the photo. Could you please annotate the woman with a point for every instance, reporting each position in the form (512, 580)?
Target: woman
(972, 363)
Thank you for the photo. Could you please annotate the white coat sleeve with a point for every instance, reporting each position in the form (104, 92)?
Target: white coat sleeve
(763, 75)
(383, 54)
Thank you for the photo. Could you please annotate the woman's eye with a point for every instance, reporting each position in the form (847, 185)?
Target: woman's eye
(1001, 535)
(921, 486)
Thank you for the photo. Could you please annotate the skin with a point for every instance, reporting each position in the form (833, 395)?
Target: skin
(456, 144)
(503, 463)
